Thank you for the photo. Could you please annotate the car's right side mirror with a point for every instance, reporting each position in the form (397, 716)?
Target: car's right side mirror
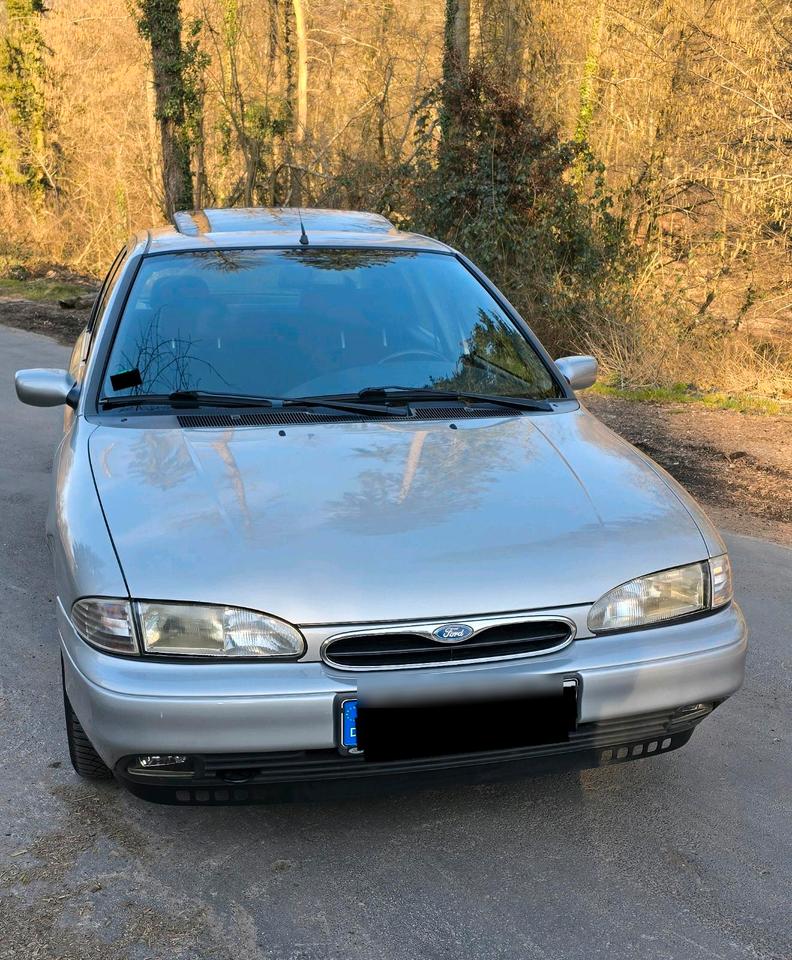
(581, 372)
(46, 388)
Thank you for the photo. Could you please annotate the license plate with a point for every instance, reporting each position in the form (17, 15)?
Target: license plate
(396, 731)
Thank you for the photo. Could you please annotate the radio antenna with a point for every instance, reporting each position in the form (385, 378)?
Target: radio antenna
(303, 235)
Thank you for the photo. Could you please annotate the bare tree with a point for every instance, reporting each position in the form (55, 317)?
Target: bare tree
(301, 50)
(296, 53)
(588, 92)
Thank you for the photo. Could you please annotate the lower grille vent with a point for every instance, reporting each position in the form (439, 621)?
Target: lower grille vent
(218, 777)
(381, 650)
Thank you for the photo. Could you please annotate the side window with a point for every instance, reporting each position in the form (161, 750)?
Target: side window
(101, 301)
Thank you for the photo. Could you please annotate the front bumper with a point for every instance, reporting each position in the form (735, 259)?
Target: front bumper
(305, 774)
(134, 706)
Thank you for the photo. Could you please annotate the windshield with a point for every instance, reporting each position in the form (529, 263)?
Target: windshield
(316, 322)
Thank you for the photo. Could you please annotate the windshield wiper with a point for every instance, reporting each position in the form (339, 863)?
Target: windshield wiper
(185, 398)
(205, 398)
(426, 393)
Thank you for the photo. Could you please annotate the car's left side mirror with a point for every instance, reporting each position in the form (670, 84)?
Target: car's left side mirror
(581, 372)
(42, 387)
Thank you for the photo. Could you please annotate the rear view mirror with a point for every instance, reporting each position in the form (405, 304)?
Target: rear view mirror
(581, 372)
(42, 387)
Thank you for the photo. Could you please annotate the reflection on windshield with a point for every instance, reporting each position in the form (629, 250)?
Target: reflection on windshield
(490, 359)
(171, 361)
(349, 259)
(314, 322)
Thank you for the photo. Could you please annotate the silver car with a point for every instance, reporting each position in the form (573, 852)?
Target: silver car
(325, 514)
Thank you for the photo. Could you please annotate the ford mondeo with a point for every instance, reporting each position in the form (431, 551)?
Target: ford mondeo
(326, 514)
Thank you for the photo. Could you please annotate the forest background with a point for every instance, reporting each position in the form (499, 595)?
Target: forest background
(622, 170)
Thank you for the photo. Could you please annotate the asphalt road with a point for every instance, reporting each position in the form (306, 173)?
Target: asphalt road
(683, 856)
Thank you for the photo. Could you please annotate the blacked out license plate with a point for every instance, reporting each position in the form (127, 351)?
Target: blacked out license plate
(398, 725)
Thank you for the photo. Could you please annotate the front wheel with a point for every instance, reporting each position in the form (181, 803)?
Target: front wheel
(85, 760)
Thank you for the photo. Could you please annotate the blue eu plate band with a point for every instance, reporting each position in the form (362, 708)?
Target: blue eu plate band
(348, 725)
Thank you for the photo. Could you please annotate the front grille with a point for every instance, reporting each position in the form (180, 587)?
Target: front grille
(374, 651)
(291, 417)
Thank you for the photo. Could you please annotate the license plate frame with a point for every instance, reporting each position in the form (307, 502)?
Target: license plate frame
(347, 717)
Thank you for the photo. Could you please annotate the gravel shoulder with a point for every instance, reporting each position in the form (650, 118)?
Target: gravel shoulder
(41, 316)
(738, 465)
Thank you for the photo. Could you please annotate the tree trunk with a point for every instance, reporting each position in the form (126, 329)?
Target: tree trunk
(296, 51)
(665, 127)
(160, 24)
(456, 49)
(456, 60)
(385, 68)
(154, 149)
(302, 70)
(503, 28)
(201, 193)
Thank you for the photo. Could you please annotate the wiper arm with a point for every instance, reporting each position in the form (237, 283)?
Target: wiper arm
(426, 393)
(349, 405)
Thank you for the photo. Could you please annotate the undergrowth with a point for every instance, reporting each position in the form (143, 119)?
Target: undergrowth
(40, 289)
(682, 393)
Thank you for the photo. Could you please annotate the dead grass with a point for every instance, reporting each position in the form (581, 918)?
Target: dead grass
(736, 371)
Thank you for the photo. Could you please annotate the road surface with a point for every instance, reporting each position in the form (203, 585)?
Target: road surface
(685, 856)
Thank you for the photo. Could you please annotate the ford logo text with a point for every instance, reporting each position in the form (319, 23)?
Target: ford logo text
(452, 632)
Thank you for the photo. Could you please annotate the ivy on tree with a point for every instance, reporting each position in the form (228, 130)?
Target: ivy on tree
(160, 23)
(22, 69)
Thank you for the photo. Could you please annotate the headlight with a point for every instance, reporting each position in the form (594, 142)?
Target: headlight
(106, 624)
(181, 629)
(663, 596)
(184, 629)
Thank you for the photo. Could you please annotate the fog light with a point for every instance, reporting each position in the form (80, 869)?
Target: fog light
(165, 765)
(162, 760)
(692, 708)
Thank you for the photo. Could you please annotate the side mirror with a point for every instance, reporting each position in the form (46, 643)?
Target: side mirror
(46, 388)
(581, 372)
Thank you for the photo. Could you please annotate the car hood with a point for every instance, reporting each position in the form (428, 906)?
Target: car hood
(381, 521)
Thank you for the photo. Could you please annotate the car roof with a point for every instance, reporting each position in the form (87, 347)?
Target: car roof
(215, 228)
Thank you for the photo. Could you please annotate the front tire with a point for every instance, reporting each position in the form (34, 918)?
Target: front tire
(85, 760)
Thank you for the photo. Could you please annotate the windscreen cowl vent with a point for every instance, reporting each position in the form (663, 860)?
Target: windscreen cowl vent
(279, 417)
